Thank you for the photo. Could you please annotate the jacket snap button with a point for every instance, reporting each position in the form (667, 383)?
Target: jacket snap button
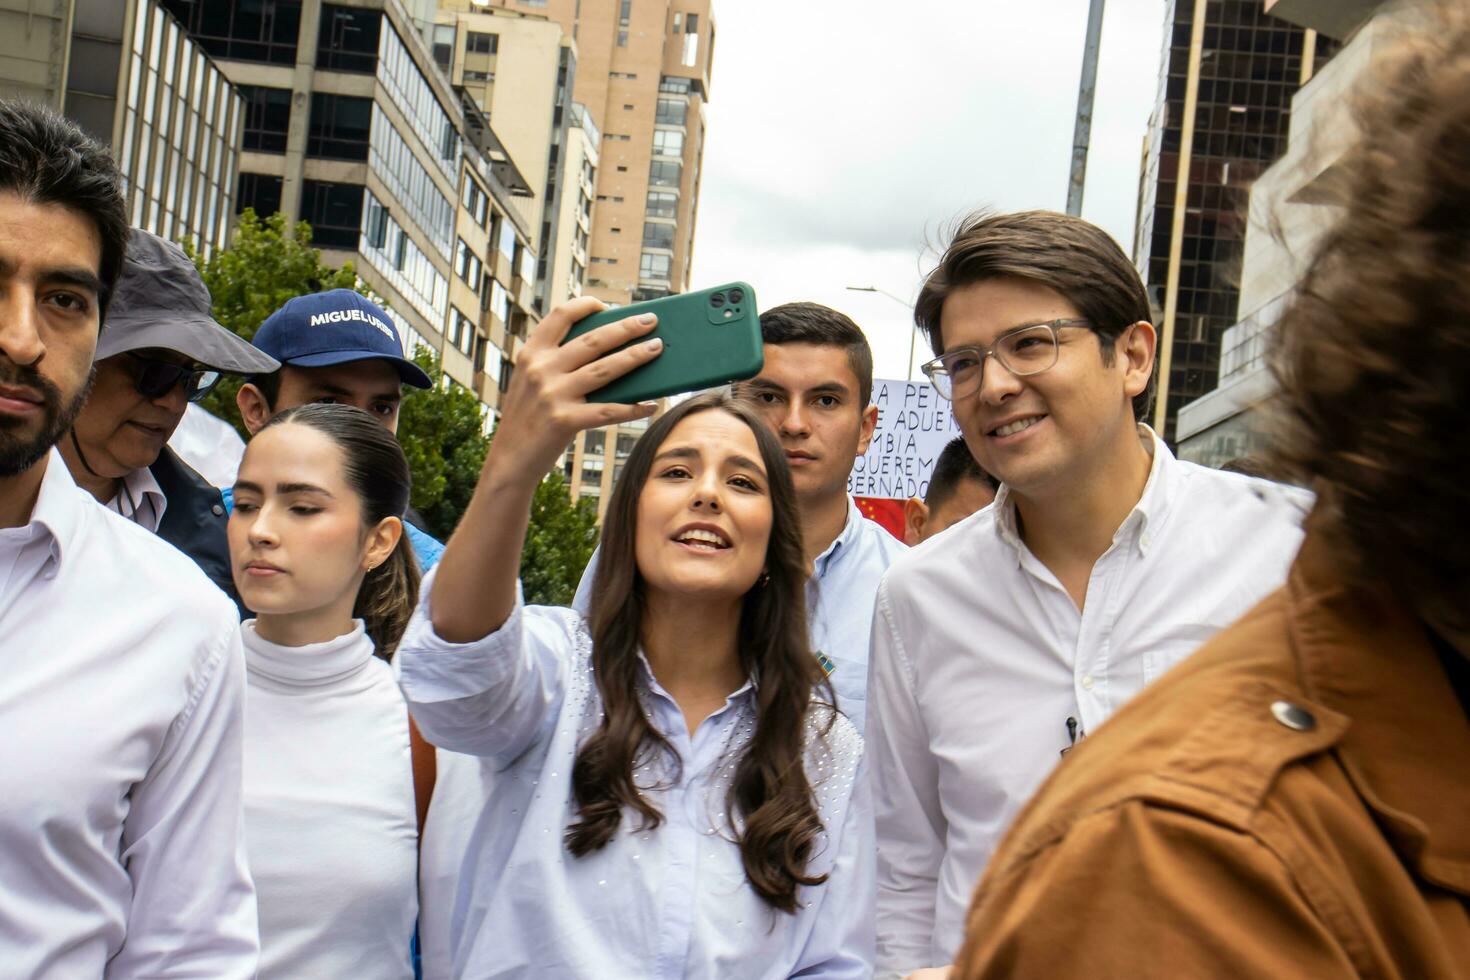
(217, 509)
(1293, 716)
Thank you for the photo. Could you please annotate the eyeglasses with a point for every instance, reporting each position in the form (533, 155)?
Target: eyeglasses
(154, 379)
(1023, 351)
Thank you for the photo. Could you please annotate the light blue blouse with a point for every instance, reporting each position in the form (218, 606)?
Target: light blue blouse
(670, 902)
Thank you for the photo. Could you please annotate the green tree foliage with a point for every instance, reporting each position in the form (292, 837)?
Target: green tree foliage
(441, 429)
(558, 544)
(442, 432)
(267, 263)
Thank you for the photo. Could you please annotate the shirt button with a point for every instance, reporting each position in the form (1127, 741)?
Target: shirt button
(1293, 716)
(1087, 682)
(217, 509)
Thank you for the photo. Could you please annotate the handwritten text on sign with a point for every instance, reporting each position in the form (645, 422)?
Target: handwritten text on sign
(914, 424)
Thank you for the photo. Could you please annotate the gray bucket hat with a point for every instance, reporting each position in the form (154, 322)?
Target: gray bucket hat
(160, 302)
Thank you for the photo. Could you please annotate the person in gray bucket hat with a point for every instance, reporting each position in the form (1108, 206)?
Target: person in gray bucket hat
(159, 350)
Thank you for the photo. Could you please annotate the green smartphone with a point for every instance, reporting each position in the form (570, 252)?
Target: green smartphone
(711, 338)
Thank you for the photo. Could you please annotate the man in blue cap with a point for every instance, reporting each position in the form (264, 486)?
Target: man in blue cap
(336, 346)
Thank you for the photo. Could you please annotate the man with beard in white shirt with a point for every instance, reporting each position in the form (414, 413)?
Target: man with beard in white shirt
(121, 699)
(1103, 561)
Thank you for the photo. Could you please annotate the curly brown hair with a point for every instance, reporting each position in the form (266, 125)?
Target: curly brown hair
(1373, 357)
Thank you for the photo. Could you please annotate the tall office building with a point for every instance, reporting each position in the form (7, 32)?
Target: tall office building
(1290, 209)
(127, 73)
(1221, 118)
(521, 70)
(644, 75)
(351, 126)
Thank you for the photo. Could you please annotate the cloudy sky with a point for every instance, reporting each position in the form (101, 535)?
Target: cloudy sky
(844, 135)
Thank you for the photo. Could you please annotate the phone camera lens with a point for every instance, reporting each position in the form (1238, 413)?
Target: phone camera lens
(736, 295)
(717, 300)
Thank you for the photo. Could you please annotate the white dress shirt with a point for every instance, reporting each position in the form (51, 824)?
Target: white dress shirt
(329, 809)
(140, 499)
(120, 753)
(980, 658)
(653, 904)
(839, 604)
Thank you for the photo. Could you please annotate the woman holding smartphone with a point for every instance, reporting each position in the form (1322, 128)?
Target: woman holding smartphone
(319, 555)
(671, 792)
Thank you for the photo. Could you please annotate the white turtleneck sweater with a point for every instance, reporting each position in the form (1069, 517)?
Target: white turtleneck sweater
(329, 809)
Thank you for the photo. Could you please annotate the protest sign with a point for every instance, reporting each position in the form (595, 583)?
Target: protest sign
(914, 425)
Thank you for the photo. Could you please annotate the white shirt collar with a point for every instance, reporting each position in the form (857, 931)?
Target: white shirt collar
(1150, 511)
(56, 514)
(140, 499)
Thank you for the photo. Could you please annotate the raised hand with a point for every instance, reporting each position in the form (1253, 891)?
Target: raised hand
(545, 406)
(547, 402)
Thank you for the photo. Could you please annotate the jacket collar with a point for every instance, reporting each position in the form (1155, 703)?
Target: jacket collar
(1407, 751)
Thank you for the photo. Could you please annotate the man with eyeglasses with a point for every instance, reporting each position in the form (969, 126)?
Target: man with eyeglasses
(160, 351)
(1103, 562)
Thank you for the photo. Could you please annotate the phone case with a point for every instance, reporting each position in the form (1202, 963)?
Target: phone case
(711, 337)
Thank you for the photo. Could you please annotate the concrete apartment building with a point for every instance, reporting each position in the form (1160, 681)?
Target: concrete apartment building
(1289, 211)
(126, 72)
(521, 70)
(1222, 115)
(350, 126)
(642, 73)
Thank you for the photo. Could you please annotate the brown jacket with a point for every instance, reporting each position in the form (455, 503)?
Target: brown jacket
(1291, 801)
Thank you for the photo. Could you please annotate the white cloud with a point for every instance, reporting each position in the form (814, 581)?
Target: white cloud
(845, 134)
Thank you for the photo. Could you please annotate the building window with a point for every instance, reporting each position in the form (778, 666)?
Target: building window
(653, 265)
(675, 86)
(468, 265)
(267, 117)
(665, 173)
(242, 30)
(476, 201)
(625, 445)
(668, 143)
(499, 301)
(671, 112)
(341, 126)
(334, 212)
(259, 191)
(349, 39)
(507, 369)
(462, 333)
(476, 42)
(595, 441)
(658, 235)
(662, 204)
(443, 44)
(505, 240)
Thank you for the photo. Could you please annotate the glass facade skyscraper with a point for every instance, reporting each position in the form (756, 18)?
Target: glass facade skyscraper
(1233, 79)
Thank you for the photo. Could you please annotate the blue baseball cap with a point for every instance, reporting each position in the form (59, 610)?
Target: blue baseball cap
(335, 327)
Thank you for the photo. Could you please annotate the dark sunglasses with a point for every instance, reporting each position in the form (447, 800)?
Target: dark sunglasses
(154, 379)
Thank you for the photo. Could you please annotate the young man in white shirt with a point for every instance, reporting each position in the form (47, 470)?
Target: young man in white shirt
(121, 705)
(1103, 562)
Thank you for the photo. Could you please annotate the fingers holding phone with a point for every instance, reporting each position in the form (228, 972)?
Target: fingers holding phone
(546, 403)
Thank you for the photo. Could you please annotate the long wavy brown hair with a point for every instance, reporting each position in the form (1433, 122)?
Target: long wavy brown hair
(1373, 358)
(770, 789)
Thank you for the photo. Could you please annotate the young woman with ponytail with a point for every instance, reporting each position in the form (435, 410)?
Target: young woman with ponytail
(319, 555)
(670, 792)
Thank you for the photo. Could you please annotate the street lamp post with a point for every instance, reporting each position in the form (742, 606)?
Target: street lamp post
(913, 331)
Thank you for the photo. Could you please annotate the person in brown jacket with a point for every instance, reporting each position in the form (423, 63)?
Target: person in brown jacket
(1294, 799)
